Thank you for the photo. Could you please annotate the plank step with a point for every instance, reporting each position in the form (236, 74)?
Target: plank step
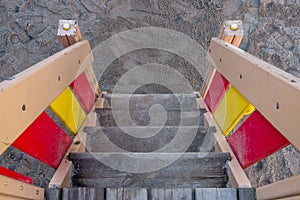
(87, 193)
(156, 116)
(145, 101)
(148, 139)
(150, 170)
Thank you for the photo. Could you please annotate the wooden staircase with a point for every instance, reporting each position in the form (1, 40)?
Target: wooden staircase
(130, 161)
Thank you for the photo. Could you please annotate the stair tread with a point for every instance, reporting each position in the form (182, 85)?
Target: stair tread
(150, 169)
(145, 101)
(148, 139)
(153, 117)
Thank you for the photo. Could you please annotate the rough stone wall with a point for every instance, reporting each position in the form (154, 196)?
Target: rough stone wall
(272, 33)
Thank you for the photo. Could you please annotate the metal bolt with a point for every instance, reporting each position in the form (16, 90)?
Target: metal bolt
(66, 26)
(5, 183)
(21, 187)
(234, 27)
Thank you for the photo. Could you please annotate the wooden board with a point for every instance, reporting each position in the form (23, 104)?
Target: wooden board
(215, 193)
(255, 139)
(148, 139)
(68, 109)
(231, 109)
(256, 80)
(189, 171)
(280, 189)
(14, 189)
(15, 175)
(216, 91)
(19, 95)
(81, 88)
(172, 193)
(44, 140)
(82, 193)
(126, 193)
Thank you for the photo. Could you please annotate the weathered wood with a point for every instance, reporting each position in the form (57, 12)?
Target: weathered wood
(126, 193)
(53, 193)
(215, 193)
(145, 101)
(189, 170)
(148, 139)
(83, 193)
(159, 117)
(172, 194)
(246, 193)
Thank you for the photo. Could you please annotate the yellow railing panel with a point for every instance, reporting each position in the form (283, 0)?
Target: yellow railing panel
(231, 109)
(67, 108)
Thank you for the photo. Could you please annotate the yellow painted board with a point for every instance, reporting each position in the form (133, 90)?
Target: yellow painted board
(67, 108)
(231, 109)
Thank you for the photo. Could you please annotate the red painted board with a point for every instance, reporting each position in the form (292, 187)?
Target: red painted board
(15, 175)
(83, 91)
(255, 139)
(44, 140)
(216, 91)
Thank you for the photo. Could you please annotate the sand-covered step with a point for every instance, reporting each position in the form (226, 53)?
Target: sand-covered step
(145, 101)
(155, 116)
(150, 170)
(148, 139)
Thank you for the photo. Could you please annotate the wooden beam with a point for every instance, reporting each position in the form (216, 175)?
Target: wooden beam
(13, 189)
(284, 188)
(274, 92)
(230, 35)
(237, 175)
(62, 176)
(30, 92)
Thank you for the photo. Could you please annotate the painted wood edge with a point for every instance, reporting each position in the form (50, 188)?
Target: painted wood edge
(237, 175)
(280, 107)
(280, 189)
(100, 101)
(232, 37)
(19, 96)
(62, 176)
(14, 189)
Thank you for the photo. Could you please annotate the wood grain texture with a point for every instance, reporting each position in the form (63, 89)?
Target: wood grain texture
(172, 194)
(190, 170)
(126, 193)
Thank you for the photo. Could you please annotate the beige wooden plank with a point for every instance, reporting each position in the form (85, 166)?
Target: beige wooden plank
(31, 91)
(237, 175)
(62, 176)
(14, 189)
(297, 197)
(280, 189)
(274, 92)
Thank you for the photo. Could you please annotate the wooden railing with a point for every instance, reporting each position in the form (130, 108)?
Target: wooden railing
(64, 83)
(265, 97)
(236, 78)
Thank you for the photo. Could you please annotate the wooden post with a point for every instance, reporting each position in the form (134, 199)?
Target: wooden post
(231, 32)
(68, 34)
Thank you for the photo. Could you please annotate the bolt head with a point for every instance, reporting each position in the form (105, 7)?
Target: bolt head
(66, 26)
(234, 27)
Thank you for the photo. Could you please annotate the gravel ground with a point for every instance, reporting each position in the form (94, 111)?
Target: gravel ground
(272, 33)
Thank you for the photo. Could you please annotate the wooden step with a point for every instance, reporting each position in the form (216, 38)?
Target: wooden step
(86, 193)
(145, 101)
(148, 139)
(159, 117)
(150, 170)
